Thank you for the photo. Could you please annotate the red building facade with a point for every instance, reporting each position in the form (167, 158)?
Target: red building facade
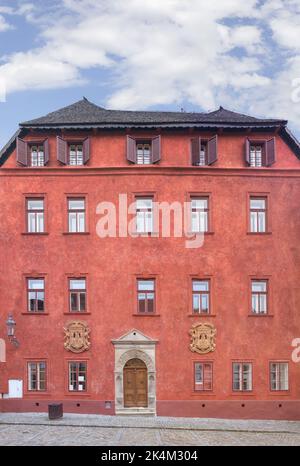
(143, 323)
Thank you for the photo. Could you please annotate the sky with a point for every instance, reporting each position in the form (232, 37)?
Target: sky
(149, 54)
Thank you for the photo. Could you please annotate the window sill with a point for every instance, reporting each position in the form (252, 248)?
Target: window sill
(260, 315)
(76, 233)
(205, 233)
(139, 314)
(26, 233)
(243, 393)
(280, 393)
(203, 393)
(34, 313)
(257, 233)
(77, 313)
(202, 315)
(35, 393)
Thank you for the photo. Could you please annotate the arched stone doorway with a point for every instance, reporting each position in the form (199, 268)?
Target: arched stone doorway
(134, 346)
(135, 384)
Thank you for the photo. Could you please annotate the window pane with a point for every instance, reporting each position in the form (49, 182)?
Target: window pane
(204, 303)
(40, 301)
(146, 285)
(40, 222)
(35, 204)
(72, 222)
(196, 303)
(260, 286)
(143, 203)
(261, 222)
(150, 302)
(236, 377)
(77, 284)
(74, 303)
(257, 203)
(255, 305)
(263, 303)
(253, 221)
(81, 222)
(76, 204)
(82, 301)
(31, 223)
(199, 373)
(199, 204)
(142, 302)
(202, 285)
(35, 284)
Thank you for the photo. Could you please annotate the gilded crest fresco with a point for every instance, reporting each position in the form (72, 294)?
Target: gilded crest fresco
(203, 338)
(77, 337)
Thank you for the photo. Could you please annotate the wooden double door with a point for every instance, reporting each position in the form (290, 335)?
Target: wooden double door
(135, 384)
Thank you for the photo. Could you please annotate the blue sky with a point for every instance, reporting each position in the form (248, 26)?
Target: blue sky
(149, 54)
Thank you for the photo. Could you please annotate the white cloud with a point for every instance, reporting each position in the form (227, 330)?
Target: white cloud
(240, 54)
(4, 25)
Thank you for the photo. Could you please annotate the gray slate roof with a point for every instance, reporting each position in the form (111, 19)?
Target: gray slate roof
(85, 115)
(85, 112)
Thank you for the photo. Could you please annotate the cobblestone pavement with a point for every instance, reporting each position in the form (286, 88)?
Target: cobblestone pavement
(74, 429)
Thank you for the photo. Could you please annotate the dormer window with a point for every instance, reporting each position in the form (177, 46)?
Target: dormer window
(75, 154)
(256, 155)
(143, 151)
(32, 153)
(204, 151)
(260, 153)
(37, 156)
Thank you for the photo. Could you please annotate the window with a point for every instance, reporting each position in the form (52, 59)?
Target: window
(146, 296)
(37, 380)
(258, 214)
(35, 215)
(260, 153)
(75, 154)
(144, 215)
(279, 376)
(37, 158)
(242, 376)
(203, 376)
(259, 294)
(201, 300)
(76, 215)
(77, 292)
(199, 214)
(36, 294)
(143, 153)
(256, 155)
(77, 376)
(204, 151)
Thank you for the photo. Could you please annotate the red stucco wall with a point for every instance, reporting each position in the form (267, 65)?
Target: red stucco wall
(229, 256)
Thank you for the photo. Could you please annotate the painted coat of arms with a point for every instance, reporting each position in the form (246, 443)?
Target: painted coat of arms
(77, 337)
(203, 338)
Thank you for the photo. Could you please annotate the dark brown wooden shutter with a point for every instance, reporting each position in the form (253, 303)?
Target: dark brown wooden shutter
(156, 149)
(212, 150)
(62, 147)
(195, 150)
(22, 152)
(247, 151)
(46, 151)
(131, 149)
(270, 148)
(86, 150)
